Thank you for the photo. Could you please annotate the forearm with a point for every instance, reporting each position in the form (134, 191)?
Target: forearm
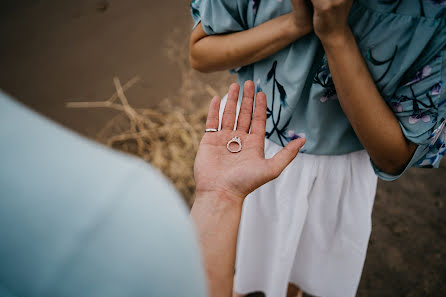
(217, 219)
(221, 52)
(373, 121)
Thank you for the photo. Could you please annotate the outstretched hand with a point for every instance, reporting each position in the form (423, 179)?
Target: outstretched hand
(235, 175)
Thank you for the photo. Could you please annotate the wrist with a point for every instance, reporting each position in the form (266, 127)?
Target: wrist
(219, 197)
(337, 39)
(296, 28)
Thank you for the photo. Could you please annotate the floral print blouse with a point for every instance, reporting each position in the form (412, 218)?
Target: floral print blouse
(404, 45)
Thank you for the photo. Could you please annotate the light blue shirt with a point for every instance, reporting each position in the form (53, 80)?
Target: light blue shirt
(404, 45)
(78, 219)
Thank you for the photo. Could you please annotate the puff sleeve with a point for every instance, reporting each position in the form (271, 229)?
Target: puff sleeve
(220, 16)
(420, 106)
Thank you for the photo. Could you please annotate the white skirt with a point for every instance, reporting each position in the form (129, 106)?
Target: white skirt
(309, 227)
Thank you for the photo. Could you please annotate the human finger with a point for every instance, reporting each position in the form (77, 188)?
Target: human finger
(259, 119)
(245, 114)
(229, 113)
(214, 107)
(284, 157)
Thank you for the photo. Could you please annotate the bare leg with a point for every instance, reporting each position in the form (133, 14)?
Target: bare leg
(254, 294)
(294, 291)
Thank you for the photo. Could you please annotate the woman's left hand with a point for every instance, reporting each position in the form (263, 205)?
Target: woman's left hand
(235, 175)
(330, 19)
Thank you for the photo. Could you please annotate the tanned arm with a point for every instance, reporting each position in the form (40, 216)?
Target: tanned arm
(232, 50)
(224, 179)
(374, 122)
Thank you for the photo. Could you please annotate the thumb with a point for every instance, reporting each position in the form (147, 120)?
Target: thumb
(284, 157)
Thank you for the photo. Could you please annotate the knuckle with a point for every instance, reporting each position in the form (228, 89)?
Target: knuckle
(259, 116)
(339, 3)
(213, 119)
(330, 5)
(245, 110)
(326, 8)
(259, 120)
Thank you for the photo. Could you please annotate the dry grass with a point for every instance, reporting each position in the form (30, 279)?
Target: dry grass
(167, 137)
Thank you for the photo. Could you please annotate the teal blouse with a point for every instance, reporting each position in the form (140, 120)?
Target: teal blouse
(404, 45)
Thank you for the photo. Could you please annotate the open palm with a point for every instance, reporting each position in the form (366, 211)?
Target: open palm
(237, 174)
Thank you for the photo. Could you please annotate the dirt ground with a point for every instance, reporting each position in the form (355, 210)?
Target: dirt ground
(54, 51)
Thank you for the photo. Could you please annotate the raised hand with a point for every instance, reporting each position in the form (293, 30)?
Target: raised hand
(302, 13)
(330, 19)
(235, 175)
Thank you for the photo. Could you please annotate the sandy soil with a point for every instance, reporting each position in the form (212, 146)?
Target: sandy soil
(58, 51)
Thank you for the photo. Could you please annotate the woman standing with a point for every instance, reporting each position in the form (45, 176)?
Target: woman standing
(360, 81)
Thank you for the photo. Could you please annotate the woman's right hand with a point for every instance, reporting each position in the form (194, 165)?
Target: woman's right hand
(330, 20)
(302, 14)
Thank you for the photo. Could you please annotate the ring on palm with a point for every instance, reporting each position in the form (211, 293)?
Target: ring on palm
(237, 140)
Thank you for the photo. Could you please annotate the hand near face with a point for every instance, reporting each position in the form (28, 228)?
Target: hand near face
(330, 19)
(235, 175)
(302, 13)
